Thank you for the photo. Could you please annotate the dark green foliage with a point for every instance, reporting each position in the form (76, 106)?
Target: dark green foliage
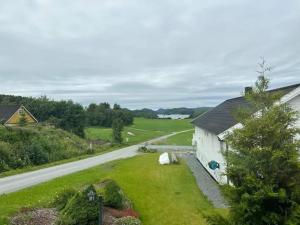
(81, 209)
(103, 115)
(113, 196)
(20, 147)
(62, 199)
(5, 156)
(68, 115)
(144, 149)
(264, 167)
(117, 128)
(216, 219)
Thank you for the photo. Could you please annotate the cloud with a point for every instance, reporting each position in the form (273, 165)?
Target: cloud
(145, 53)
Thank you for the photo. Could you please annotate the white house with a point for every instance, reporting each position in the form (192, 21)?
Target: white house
(212, 127)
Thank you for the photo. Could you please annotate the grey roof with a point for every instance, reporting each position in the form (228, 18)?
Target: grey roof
(221, 118)
(6, 111)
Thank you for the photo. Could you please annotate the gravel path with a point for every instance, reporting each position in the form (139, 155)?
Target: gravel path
(205, 182)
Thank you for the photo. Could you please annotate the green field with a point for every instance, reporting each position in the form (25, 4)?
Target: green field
(142, 130)
(163, 195)
(179, 139)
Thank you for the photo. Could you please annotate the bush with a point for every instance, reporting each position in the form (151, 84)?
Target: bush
(36, 153)
(129, 220)
(81, 209)
(144, 149)
(26, 146)
(113, 196)
(5, 156)
(62, 199)
(216, 219)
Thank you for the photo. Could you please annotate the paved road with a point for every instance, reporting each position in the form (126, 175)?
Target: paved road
(21, 181)
(172, 148)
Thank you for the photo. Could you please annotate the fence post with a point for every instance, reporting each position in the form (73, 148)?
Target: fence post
(100, 210)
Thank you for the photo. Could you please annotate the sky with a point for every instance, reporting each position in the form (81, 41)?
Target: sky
(154, 53)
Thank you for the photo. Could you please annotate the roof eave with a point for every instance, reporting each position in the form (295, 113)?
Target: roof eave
(284, 99)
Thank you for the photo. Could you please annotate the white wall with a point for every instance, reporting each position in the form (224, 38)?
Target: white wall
(208, 147)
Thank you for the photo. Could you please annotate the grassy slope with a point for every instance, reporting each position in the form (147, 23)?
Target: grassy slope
(164, 195)
(179, 139)
(143, 129)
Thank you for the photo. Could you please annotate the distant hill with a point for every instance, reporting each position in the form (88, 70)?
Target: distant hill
(146, 113)
(149, 113)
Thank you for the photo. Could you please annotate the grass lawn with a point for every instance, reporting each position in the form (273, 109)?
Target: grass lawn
(179, 139)
(142, 130)
(163, 195)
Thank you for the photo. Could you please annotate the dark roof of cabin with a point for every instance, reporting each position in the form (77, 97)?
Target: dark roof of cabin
(221, 118)
(6, 111)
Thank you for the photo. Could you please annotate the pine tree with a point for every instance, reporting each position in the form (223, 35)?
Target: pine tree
(263, 161)
(117, 127)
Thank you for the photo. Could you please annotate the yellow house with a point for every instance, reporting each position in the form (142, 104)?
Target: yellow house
(12, 114)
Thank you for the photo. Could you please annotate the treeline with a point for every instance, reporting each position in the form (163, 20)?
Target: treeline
(153, 114)
(103, 115)
(146, 113)
(68, 115)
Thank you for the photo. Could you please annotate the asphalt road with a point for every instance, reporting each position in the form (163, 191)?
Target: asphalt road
(21, 181)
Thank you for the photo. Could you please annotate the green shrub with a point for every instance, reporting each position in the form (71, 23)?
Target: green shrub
(62, 199)
(129, 220)
(25, 146)
(216, 219)
(36, 153)
(81, 209)
(5, 156)
(113, 196)
(144, 149)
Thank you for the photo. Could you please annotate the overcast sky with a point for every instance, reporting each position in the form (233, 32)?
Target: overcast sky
(154, 53)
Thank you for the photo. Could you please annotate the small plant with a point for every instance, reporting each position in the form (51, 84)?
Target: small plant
(62, 199)
(113, 196)
(81, 209)
(129, 220)
(144, 149)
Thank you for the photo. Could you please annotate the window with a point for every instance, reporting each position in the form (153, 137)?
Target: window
(21, 111)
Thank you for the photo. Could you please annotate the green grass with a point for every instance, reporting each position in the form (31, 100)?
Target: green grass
(179, 139)
(142, 130)
(99, 151)
(163, 195)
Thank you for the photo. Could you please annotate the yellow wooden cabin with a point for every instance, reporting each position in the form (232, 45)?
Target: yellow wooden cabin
(11, 115)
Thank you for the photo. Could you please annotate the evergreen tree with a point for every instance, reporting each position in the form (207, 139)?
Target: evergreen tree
(264, 167)
(262, 163)
(117, 127)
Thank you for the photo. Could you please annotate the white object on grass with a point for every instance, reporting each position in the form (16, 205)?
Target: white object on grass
(130, 133)
(164, 158)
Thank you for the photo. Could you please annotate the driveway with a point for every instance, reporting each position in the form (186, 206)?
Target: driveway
(21, 181)
(209, 187)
